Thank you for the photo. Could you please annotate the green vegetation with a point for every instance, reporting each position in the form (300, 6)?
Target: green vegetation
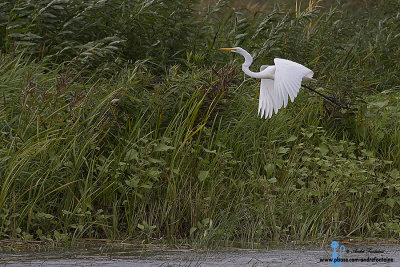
(121, 120)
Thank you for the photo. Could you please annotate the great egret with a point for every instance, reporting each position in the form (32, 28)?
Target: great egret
(277, 82)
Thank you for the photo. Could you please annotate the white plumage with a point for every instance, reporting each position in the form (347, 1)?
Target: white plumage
(278, 82)
(274, 93)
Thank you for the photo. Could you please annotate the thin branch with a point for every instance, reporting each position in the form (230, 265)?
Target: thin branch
(330, 99)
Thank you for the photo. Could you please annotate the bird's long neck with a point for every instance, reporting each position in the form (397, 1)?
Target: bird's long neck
(248, 60)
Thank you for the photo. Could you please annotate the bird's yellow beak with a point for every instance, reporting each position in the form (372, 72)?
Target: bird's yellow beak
(226, 49)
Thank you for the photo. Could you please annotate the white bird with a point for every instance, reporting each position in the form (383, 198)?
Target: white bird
(277, 81)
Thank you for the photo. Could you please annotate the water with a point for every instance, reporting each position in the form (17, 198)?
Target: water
(139, 257)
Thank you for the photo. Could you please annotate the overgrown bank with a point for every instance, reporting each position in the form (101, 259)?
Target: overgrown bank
(135, 126)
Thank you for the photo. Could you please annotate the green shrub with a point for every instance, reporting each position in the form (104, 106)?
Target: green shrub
(120, 119)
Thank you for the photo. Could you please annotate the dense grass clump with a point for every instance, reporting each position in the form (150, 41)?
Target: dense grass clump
(120, 120)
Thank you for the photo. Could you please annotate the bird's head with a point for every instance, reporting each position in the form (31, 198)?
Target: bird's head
(238, 50)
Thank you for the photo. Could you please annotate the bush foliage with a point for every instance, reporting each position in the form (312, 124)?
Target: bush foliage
(121, 119)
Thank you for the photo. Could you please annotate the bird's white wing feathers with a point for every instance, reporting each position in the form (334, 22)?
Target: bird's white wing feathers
(265, 103)
(287, 82)
(288, 77)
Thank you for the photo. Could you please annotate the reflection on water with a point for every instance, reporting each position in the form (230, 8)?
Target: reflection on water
(137, 257)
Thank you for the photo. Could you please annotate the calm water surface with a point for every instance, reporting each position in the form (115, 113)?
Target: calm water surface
(136, 257)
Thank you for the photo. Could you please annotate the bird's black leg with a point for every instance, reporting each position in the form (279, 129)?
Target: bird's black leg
(330, 99)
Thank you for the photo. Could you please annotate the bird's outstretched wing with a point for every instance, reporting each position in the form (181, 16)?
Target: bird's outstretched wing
(288, 77)
(265, 103)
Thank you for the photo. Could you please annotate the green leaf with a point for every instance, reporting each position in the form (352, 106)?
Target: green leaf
(269, 168)
(203, 175)
(162, 147)
(380, 104)
(205, 221)
(323, 149)
(66, 212)
(154, 173)
(157, 161)
(39, 232)
(45, 215)
(132, 154)
(291, 138)
(147, 185)
(192, 230)
(395, 173)
(241, 36)
(56, 234)
(273, 180)
(300, 182)
(390, 202)
(133, 182)
(283, 150)
(280, 163)
(210, 151)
